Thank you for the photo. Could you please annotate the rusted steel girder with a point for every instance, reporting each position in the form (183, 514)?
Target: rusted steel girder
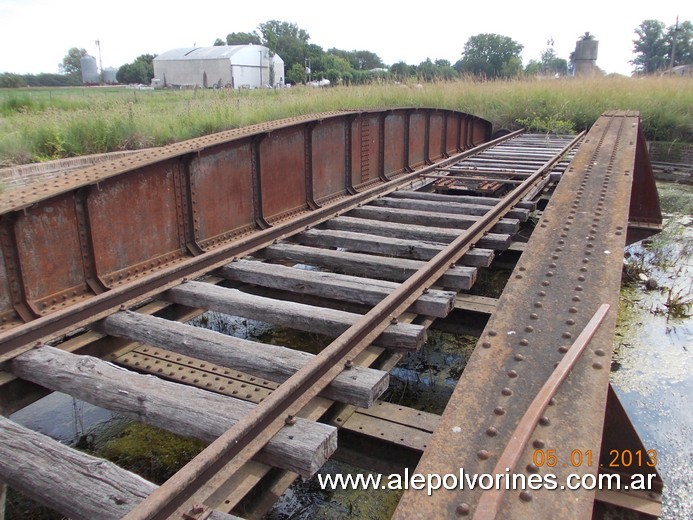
(115, 226)
(572, 266)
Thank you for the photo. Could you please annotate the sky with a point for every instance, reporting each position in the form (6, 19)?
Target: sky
(35, 35)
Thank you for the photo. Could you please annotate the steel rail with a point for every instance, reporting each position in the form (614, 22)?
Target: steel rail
(46, 328)
(489, 503)
(241, 442)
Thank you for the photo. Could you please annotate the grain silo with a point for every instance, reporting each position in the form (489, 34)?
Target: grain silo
(90, 72)
(109, 76)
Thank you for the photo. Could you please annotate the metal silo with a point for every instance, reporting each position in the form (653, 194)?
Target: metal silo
(90, 72)
(109, 75)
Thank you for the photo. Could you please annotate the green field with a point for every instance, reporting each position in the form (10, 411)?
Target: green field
(43, 124)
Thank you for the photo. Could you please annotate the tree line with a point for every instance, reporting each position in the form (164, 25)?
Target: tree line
(490, 56)
(659, 48)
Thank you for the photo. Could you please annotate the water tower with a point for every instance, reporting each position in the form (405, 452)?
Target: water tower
(585, 57)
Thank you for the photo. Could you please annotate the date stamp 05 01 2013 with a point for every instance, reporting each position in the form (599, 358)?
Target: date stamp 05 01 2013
(579, 458)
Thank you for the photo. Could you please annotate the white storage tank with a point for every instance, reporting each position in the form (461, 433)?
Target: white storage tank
(90, 72)
(109, 75)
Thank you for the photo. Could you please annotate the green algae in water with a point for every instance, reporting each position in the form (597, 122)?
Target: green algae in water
(296, 339)
(490, 282)
(151, 452)
(19, 506)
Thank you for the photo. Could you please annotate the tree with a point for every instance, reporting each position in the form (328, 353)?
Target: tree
(219, 42)
(682, 34)
(444, 70)
(243, 38)
(365, 60)
(10, 80)
(401, 71)
(52, 80)
(426, 71)
(433, 71)
(551, 63)
(533, 68)
(71, 63)
(655, 46)
(490, 56)
(285, 39)
(140, 71)
(296, 74)
(359, 60)
(649, 47)
(335, 68)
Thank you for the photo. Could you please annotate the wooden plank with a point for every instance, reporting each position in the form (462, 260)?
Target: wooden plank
(276, 363)
(413, 232)
(66, 480)
(471, 302)
(430, 218)
(397, 269)
(184, 410)
(518, 246)
(367, 291)
(437, 206)
(387, 246)
(329, 322)
(77, 485)
(463, 199)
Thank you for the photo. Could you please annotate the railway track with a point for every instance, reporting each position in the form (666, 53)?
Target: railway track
(395, 212)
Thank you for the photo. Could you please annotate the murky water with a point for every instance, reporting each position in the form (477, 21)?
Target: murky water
(652, 371)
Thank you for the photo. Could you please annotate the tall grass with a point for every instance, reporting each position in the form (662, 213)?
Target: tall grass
(42, 124)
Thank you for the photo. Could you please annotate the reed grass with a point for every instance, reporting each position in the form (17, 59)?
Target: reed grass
(43, 124)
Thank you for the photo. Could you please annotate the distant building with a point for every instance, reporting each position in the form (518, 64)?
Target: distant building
(585, 57)
(109, 76)
(680, 70)
(90, 72)
(231, 66)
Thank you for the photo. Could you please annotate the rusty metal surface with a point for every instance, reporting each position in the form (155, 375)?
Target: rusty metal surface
(645, 216)
(395, 143)
(491, 499)
(201, 374)
(222, 177)
(17, 199)
(417, 142)
(239, 444)
(142, 218)
(575, 266)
